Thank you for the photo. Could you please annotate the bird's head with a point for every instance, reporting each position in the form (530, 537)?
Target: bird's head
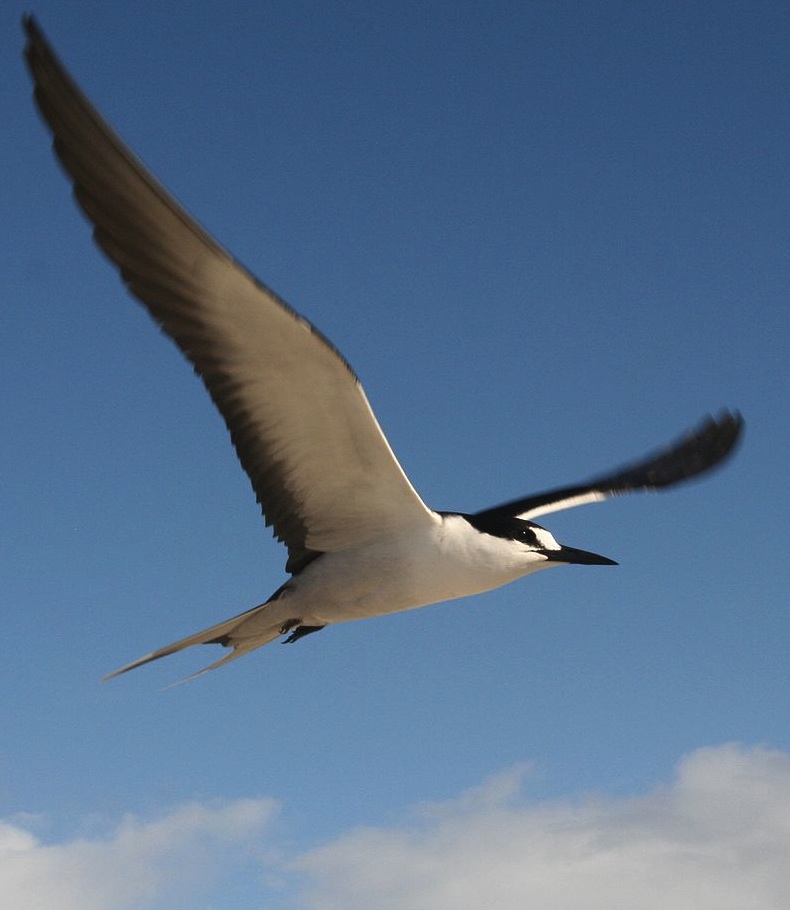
(534, 539)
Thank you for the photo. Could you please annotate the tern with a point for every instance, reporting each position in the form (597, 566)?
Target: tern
(360, 540)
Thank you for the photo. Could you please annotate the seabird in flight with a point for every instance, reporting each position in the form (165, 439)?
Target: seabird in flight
(361, 542)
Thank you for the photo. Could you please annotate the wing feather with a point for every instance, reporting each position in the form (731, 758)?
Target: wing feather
(698, 451)
(319, 464)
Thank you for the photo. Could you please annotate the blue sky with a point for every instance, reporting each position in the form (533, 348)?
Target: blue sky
(548, 236)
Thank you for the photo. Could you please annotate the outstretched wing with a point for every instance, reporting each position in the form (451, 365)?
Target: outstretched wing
(696, 452)
(304, 432)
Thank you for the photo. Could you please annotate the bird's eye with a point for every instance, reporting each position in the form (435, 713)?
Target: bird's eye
(527, 535)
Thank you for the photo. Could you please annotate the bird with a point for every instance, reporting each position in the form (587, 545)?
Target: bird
(361, 542)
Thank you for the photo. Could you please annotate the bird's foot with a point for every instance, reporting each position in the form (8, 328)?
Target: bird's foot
(299, 632)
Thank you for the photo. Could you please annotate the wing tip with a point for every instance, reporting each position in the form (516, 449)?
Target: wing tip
(36, 39)
(30, 25)
(705, 447)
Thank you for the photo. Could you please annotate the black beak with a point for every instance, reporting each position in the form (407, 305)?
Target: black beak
(577, 557)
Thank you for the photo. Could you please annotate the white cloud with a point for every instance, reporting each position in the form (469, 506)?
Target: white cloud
(138, 864)
(716, 838)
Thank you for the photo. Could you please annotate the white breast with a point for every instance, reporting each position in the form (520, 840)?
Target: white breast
(450, 559)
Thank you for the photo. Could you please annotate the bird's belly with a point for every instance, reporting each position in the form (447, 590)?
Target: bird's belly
(393, 576)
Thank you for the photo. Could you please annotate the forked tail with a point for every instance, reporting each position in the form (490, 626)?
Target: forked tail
(221, 634)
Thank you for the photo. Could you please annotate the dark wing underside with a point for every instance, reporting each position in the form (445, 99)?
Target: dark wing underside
(304, 432)
(698, 451)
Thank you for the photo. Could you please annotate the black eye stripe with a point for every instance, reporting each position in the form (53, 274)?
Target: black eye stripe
(527, 535)
(508, 528)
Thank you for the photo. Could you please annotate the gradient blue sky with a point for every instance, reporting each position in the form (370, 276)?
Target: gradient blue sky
(548, 236)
